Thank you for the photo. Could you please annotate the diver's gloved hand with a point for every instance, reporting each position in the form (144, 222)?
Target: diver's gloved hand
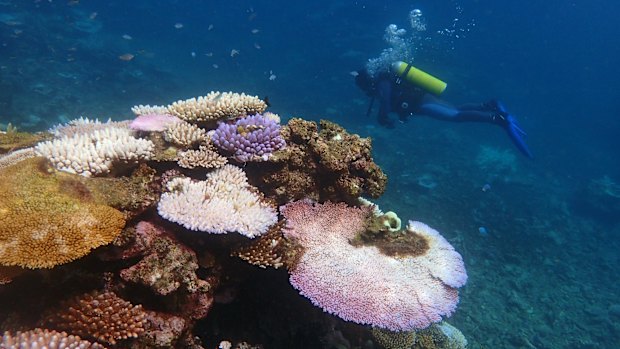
(515, 132)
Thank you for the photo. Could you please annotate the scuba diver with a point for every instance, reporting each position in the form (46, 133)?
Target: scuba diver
(407, 91)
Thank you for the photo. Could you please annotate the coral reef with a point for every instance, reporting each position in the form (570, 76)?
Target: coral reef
(102, 316)
(224, 203)
(126, 212)
(252, 138)
(329, 164)
(358, 283)
(42, 225)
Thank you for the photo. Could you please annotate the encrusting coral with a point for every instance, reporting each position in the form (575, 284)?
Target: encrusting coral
(43, 338)
(42, 225)
(103, 316)
(329, 164)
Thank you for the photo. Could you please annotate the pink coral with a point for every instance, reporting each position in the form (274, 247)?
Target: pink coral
(153, 122)
(361, 284)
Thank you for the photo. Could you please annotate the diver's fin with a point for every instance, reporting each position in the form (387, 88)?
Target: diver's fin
(516, 135)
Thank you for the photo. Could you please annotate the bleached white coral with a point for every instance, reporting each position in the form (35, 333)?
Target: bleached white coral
(225, 202)
(149, 109)
(84, 125)
(95, 153)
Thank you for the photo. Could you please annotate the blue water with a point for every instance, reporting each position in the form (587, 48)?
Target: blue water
(545, 275)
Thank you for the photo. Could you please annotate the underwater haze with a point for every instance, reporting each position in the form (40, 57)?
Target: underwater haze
(540, 237)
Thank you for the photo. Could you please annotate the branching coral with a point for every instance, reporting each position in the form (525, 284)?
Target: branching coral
(103, 316)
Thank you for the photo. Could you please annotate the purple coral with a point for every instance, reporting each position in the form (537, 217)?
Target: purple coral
(252, 138)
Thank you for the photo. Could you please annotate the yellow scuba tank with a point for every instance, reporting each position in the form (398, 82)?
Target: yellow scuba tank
(419, 78)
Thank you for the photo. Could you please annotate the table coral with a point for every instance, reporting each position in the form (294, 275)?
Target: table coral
(217, 106)
(41, 225)
(363, 285)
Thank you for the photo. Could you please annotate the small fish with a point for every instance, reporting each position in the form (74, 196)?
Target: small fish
(215, 66)
(178, 25)
(193, 54)
(272, 76)
(255, 31)
(257, 46)
(234, 52)
(486, 187)
(209, 54)
(483, 231)
(93, 16)
(210, 27)
(126, 57)
(127, 37)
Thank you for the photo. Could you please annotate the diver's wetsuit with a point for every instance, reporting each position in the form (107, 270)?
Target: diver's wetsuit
(406, 100)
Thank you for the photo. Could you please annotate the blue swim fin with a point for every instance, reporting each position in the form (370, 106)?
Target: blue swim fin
(516, 135)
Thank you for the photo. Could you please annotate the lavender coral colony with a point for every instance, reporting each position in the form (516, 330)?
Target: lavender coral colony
(133, 234)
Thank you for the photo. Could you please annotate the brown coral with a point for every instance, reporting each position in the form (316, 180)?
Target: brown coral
(42, 338)
(13, 139)
(269, 250)
(41, 225)
(103, 316)
(393, 340)
(330, 164)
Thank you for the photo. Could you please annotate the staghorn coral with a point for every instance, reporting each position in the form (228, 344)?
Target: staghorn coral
(361, 284)
(252, 138)
(224, 203)
(43, 338)
(103, 316)
(203, 157)
(327, 165)
(42, 225)
(185, 134)
(217, 106)
(95, 153)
